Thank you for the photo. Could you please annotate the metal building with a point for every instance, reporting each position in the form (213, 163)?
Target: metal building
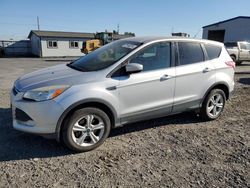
(11, 48)
(234, 29)
(57, 43)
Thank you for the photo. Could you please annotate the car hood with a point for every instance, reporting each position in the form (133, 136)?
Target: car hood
(55, 75)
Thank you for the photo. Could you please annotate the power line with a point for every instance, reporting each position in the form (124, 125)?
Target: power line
(197, 33)
(9, 23)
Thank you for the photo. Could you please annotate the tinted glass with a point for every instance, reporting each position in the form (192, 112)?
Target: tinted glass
(84, 45)
(153, 57)
(190, 52)
(54, 44)
(231, 44)
(212, 51)
(104, 56)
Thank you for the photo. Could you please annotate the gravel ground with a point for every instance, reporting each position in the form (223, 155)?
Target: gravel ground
(175, 151)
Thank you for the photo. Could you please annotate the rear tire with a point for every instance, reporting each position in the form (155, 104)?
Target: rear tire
(213, 105)
(86, 129)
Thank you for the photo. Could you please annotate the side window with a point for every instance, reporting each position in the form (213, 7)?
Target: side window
(153, 57)
(51, 44)
(190, 52)
(248, 46)
(243, 46)
(212, 51)
(73, 44)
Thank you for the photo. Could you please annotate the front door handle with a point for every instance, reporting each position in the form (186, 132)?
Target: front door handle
(206, 70)
(165, 77)
(111, 88)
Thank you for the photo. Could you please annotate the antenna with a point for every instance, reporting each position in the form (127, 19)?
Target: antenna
(38, 24)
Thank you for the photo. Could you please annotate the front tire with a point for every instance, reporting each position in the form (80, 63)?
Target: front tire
(86, 129)
(213, 104)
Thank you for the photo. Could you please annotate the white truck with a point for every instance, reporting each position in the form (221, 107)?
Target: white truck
(239, 51)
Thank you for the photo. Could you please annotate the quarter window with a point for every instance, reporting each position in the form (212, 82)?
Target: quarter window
(190, 52)
(73, 44)
(212, 51)
(156, 56)
(51, 44)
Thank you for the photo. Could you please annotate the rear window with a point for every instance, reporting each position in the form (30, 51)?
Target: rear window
(190, 52)
(231, 44)
(212, 51)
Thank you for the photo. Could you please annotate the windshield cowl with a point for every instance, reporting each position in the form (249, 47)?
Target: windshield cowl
(74, 67)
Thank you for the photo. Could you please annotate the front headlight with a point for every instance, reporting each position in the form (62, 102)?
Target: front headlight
(45, 93)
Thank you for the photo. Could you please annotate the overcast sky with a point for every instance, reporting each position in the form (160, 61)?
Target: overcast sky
(143, 17)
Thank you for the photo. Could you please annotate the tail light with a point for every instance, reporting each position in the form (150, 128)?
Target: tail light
(230, 64)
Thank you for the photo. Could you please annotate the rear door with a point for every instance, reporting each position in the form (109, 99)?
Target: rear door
(191, 76)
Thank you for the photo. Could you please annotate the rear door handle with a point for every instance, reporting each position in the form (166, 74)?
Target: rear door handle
(166, 77)
(206, 70)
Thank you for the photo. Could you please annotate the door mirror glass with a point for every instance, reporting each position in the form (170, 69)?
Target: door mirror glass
(134, 68)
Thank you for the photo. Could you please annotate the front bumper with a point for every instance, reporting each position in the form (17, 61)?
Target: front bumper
(40, 117)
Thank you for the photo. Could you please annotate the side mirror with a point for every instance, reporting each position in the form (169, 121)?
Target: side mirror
(134, 68)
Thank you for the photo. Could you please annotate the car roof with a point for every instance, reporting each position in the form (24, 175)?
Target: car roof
(148, 39)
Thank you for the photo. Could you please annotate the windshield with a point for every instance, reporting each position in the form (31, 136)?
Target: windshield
(104, 56)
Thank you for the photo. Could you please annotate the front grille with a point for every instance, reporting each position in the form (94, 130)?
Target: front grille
(15, 91)
(21, 115)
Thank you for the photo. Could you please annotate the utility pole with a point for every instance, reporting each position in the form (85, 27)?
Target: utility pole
(118, 28)
(197, 33)
(38, 25)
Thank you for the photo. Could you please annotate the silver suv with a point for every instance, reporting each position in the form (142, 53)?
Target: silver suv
(123, 82)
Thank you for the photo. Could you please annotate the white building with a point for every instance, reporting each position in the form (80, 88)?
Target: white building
(57, 43)
(234, 29)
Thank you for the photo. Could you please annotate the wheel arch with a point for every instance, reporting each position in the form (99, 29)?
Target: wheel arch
(233, 55)
(104, 106)
(220, 85)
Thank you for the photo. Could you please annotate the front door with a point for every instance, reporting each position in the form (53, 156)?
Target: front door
(149, 93)
(244, 51)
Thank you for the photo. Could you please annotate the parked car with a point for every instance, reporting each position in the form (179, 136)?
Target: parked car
(122, 82)
(239, 51)
(1, 51)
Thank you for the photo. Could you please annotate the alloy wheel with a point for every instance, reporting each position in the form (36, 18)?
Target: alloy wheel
(88, 130)
(215, 105)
